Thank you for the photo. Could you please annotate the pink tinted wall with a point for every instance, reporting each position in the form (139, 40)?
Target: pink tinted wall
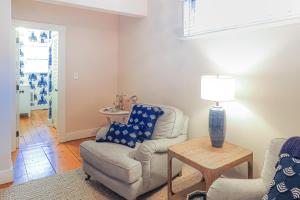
(91, 50)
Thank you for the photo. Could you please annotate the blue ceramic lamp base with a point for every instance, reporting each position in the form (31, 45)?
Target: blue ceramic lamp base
(217, 126)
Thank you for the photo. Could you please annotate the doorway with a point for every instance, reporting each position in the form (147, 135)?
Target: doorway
(37, 74)
(40, 82)
(40, 94)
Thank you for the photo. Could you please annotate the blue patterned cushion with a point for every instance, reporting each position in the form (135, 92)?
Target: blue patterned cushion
(121, 134)
(145, 117)
(286, 183)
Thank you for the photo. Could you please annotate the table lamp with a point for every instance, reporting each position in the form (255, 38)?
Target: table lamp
(218, 89)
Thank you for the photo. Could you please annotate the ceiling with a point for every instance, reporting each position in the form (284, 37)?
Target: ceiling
(133, 8)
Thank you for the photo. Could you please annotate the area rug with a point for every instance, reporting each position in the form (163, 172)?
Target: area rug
(68, 186)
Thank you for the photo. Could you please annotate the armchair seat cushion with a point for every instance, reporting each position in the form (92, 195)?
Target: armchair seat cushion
(113, 160)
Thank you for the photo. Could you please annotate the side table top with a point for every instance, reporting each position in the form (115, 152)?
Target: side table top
(112, 111)
(200, 154)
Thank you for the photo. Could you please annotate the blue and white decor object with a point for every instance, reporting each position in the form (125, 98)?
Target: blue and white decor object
(145, 117)
(217, 89)
(125, 134)
(217, 126)
(39, 88)
(22, 55)
(43, 37)
(42, 83)
(286, 183)
(33, 37)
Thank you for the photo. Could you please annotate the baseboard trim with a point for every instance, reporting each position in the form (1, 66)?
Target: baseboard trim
(49, 123)
(6, 176)
(76, 135)
(39, 107)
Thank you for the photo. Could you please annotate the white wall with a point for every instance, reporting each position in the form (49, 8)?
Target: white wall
(7, 89)
(159, 67)
(136, 8)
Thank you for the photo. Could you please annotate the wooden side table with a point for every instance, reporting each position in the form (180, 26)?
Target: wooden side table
(211, 162)
(109, 113)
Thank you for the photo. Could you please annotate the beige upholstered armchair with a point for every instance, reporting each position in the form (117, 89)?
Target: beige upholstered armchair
(248, 189)
(132, 172)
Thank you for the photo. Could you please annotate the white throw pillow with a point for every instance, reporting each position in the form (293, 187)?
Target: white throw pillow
(170, 124)
(102, 132)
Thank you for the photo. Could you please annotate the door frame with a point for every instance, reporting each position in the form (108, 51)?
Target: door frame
(61, 105)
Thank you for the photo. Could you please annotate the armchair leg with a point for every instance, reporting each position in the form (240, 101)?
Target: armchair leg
(88, 177)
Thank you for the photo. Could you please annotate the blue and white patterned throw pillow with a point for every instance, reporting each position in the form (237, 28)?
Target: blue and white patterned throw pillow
(121, 134)
(286, 183)
(145, 117)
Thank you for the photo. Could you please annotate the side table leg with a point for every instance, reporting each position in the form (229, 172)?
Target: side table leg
(124, 119)
(209, 178)
(170, 192)
(250, 168)
(108, 120)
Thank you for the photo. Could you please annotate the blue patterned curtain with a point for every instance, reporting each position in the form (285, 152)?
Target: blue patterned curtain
(50, 79)
(40, 83)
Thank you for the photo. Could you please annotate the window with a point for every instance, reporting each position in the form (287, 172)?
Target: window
(36, 58)
(34, 50)
(206, 16)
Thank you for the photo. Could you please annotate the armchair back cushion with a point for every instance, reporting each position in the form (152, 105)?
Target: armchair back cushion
(271, 159)
(170, 124)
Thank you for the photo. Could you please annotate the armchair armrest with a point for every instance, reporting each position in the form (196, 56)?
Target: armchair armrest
(237, 189)
(148, 148)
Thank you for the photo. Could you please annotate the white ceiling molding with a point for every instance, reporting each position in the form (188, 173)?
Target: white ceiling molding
(134, 8)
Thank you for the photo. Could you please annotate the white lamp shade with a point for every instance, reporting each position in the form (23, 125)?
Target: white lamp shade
(217, 88)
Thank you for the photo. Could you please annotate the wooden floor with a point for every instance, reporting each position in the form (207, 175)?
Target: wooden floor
(39, 153)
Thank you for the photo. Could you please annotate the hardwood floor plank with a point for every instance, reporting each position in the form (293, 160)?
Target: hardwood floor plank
(61, 158)
(20, 172)
(37, 163)
(74, 146)
(22, 143)
(40, 154)
(46, 135)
